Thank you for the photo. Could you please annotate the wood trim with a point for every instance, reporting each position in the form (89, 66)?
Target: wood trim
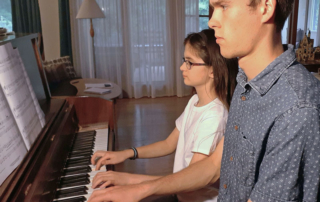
(293, 21)
(41, 70)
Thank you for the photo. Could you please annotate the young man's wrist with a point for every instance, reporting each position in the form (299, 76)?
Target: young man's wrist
(147, 188)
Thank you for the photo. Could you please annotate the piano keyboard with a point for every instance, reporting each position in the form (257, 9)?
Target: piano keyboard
(75, 184)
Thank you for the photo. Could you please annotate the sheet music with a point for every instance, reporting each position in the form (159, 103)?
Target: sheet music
(12, 148)
(18, 95)
(33, 95)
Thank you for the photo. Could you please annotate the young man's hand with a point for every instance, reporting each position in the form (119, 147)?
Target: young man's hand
(104, 179)
(129, 193)
(108, 157)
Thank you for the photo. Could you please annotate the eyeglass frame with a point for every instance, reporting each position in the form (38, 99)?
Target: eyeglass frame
(190, 64)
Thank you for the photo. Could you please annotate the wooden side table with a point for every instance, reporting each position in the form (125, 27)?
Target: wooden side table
(80, 85)
(316, 75)
(311, 66)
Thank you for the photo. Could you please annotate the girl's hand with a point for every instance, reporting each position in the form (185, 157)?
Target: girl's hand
(108, 157)
(104, 179)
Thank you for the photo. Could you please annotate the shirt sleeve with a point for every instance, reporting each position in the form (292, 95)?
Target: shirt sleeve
(179, 121)
(208, 133)
(290, 168)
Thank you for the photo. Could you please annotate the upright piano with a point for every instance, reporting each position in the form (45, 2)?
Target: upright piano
(57, 166)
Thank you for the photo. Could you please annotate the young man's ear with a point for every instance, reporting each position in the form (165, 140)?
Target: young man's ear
(268, 10)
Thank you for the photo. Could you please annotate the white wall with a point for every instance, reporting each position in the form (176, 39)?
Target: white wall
(49, 11)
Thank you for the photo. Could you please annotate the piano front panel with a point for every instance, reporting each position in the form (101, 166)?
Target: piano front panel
(40, 177)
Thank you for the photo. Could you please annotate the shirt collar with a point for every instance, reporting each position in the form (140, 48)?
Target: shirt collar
(265, 79)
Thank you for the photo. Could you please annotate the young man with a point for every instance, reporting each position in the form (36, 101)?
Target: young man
(271, 148)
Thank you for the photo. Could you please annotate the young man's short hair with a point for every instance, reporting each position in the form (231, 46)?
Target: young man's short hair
(283, 9)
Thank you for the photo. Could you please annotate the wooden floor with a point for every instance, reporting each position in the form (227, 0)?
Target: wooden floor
(144, 121)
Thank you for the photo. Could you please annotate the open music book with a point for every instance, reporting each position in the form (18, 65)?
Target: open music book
(21, 118)
(97, 90)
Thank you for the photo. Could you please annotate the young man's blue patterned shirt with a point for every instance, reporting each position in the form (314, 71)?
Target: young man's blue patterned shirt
(272, 140)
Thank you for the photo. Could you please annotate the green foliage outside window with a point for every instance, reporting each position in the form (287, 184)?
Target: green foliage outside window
(204, 14)
(5, 14)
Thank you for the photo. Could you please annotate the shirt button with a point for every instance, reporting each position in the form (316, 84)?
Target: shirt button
(243, 98)
(236, 127)
(225, 186)
(231, 158)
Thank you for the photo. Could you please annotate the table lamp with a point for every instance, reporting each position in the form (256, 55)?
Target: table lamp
(90, 9)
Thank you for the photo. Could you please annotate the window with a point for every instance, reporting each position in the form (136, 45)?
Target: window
(5, 15)
(203, 14)
(313, 15)
(284, 32)
(308, 20)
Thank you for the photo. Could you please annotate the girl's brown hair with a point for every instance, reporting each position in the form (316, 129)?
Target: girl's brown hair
(224, 70)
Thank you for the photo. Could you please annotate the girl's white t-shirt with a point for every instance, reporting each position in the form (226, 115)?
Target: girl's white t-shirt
(201, 129)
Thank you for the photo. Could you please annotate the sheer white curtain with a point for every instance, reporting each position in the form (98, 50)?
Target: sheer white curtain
(139, 45)
(309, 20)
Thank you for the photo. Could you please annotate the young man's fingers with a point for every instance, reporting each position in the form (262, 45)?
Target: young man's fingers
(101, 195)
(96, 182)
(94, 196)
(106, 184)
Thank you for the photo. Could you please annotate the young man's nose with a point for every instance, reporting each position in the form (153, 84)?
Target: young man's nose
(214, 22)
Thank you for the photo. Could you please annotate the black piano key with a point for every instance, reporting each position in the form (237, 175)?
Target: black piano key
(73, 171)
(80, 150)
(93, 133)
(78, 160)
(72, 179)
(72, 192)
(79, 139)
(75, 199)
(81, 147)
(82, 140)
(79, 154)
(77, 164)
(86, 141)
(75, 183)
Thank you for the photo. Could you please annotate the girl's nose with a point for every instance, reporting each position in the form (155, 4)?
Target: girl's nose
(183, 66)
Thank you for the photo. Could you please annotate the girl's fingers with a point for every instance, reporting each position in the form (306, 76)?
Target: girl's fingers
(96, 155)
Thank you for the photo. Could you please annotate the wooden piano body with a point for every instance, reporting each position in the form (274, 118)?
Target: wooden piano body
(37, 177)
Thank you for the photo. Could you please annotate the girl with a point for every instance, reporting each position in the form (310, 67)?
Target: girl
(199, 128)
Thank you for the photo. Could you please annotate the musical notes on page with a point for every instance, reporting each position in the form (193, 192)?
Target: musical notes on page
(12, 147)
(21, 118)
(19, 94)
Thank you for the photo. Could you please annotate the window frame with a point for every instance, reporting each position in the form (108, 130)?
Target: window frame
(208, 16)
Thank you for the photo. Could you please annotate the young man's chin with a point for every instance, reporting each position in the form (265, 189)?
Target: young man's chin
(226, 53)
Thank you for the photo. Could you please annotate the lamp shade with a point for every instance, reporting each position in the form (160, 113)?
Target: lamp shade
(90, 9)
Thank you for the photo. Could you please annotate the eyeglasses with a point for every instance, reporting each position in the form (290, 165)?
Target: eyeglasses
(190, 64)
